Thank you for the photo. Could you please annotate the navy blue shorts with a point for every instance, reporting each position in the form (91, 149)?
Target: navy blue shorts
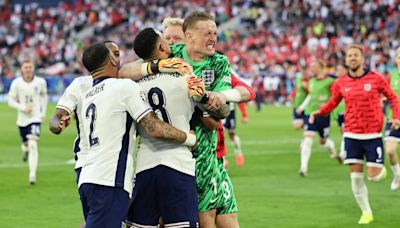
(167, 193)
(320, 125)
(371, 149)
(296, 116)
(78, 174)
(340, 121)
(230, 121)
(103, 206)
(391, 134)
(32, 130)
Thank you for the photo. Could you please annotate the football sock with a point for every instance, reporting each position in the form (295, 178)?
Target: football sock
(24, 147)
(342, 152)
(305, 153)
(360, 191)
(33, 158)
(396, 169)
(330, 145)
(236, 144)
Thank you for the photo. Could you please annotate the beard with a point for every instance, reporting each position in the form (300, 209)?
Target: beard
(355, 68)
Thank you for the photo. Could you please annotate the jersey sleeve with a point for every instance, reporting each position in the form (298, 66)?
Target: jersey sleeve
(391, 96)
(13, 97)
(237, 82)
(223, 71)
(333, 101)
(69, 99)
(134, 99)
(43, 96)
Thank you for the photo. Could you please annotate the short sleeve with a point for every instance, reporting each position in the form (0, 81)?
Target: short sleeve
(69, 99)
(134, 99)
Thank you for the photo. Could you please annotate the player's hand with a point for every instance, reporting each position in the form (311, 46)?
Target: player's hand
(245, 120)
(191, 148)
(196, 87)
(171, 65)
(313, 115)
(64, 122)
(299, 111)
(395, 125)
(28, 109)
(215, 101)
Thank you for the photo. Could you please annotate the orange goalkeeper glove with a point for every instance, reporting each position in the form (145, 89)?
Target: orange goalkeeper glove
(196, 87)
(171, 65)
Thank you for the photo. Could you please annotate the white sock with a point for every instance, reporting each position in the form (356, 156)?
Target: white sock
(33, 158)
(305, 153)
(378, 177)
(342, 152)
(236, 144)
(360, 191)
(330, 145)
(396, 169)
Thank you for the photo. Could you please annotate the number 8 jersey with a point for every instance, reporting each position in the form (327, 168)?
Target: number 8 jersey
(168, 95)
(110, 110)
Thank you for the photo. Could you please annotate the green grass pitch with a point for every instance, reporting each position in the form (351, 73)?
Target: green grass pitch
(269, 191)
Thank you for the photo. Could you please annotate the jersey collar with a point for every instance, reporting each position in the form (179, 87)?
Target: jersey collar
(98, 80)
(193, 63)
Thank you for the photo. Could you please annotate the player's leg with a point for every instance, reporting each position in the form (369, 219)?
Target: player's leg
(23, 131)
(298, 120)
(355, 159)
(305, 146)
(33, 157)
(143, 210)
(392, 140)
(177, 198)
(342, 152)
(376, 171)
(227, 211)
(207, 218)
(104, 206)
(230, 125)
(323, 126)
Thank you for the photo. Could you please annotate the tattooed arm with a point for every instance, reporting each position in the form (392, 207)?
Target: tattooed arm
(158, 129)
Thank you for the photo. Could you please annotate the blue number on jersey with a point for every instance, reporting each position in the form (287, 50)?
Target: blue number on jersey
(157, 102)
(91, 113)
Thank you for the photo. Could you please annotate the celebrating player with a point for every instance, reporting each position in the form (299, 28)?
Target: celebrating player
(392, 137)
(361, 90)
(319, 93)
(28, 94)
(111, 109)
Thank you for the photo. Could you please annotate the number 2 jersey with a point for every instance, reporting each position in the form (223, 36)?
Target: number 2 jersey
(23, 94)
(168, 95)
(110, 110)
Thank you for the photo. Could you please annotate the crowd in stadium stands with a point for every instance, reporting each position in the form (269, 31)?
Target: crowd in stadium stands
(273, 39)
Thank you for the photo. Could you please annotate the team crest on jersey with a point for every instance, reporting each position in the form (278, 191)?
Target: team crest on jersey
(367, 87)
(143, 96)
(208, 76)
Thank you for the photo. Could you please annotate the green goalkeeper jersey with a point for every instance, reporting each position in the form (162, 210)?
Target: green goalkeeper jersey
(395, 85)
(319, 92)
(301, 91)
(216, 73)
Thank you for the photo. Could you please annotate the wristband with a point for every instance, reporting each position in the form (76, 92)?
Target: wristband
(190, 140)
(205, 98)
(143, 69)
(153, 67)
(232, 95)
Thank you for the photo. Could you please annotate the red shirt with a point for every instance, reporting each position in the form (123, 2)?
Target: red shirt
(362, 97)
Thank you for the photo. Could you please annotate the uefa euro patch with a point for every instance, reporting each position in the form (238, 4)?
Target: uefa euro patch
(208, 77)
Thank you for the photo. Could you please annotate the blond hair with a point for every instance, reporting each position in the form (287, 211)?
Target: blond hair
(172, 21)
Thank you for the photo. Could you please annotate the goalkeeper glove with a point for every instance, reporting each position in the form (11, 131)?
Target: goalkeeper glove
(172, 65)
(196, 88)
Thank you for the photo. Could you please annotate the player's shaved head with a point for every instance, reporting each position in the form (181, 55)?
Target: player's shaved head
(191, 20)
(95, 56)
(145, 43)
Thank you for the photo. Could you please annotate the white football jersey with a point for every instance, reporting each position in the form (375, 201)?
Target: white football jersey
(110, 111)
(71, 101)
(169, 97)
(23, 94)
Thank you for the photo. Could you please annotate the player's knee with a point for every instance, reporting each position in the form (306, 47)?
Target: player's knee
(32, 144)
(372, 176)
(307, 142)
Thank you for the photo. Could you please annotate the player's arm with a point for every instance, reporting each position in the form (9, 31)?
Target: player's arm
(329, 106)
(246, 93)
(394, 103)
(137, 70)
(59, 121)
(243, 110)
(303, 105)
(14, 102)
(158, 129)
